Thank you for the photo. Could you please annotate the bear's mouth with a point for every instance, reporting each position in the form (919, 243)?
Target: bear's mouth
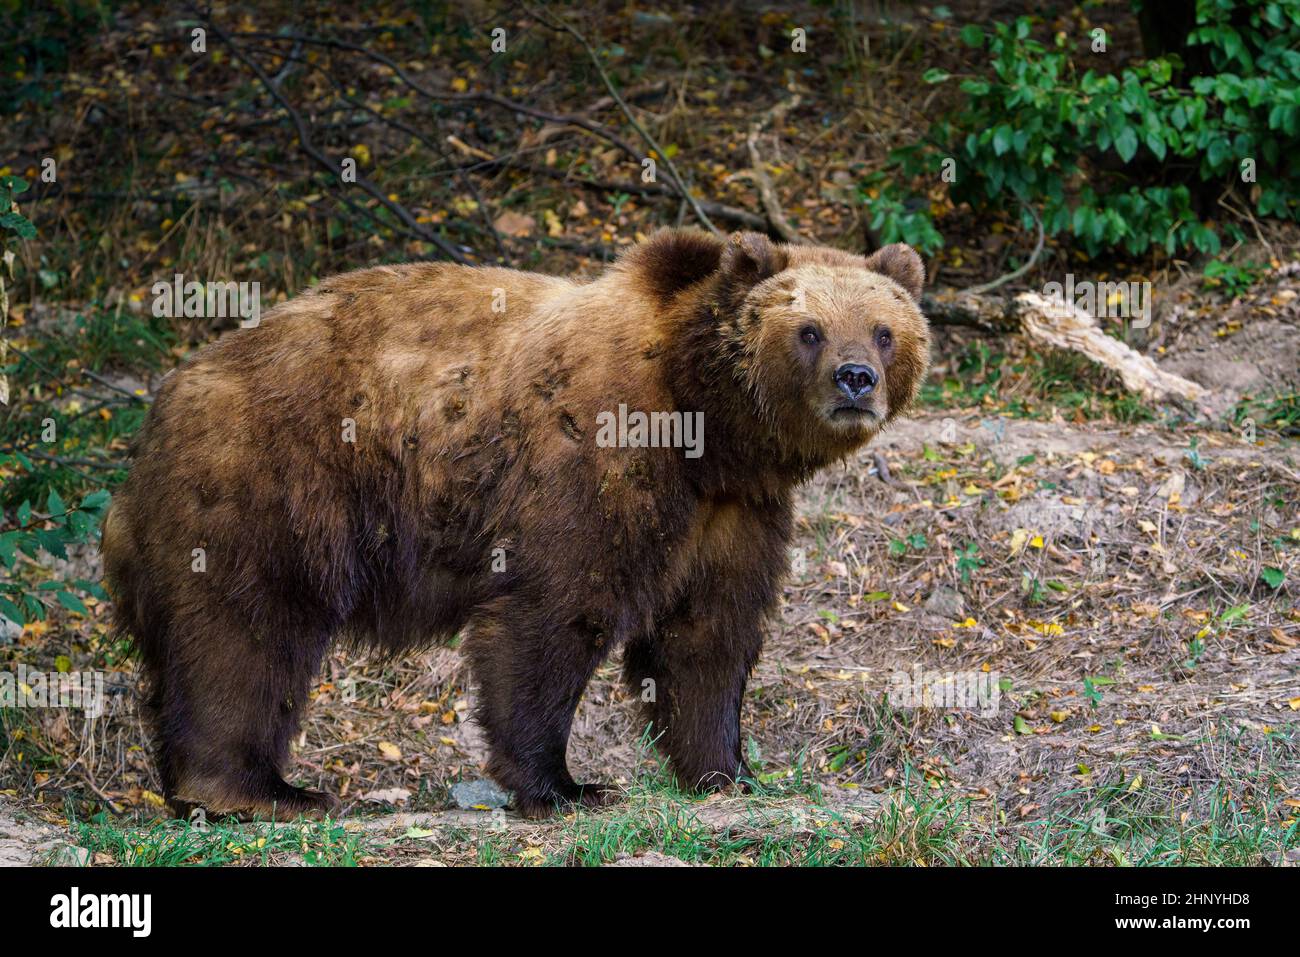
(853, 413)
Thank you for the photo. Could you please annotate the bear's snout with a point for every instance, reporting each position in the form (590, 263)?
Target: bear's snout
(856, 380)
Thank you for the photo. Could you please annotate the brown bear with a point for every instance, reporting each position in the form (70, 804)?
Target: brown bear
(560, 468)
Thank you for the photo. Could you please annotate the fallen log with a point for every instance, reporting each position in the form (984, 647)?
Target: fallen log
(1066, 326)
(1061, 325)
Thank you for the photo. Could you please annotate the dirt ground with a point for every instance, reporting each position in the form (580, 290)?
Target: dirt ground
(1142, 555)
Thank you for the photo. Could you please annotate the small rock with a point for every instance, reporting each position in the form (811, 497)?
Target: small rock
(69, 855)
(478, 794)
(648, 859)
(947, 602)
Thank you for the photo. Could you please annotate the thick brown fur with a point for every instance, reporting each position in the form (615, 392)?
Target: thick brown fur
(475, 496)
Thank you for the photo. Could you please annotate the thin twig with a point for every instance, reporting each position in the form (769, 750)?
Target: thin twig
(766, 191)
(1016, 274)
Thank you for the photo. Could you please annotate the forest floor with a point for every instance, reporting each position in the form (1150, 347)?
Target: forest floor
(1141, 707)
(1119, 578)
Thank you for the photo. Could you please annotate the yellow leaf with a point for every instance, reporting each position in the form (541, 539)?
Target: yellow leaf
(1036, 541)
(390, 751)
(155, 799)
(460, 84)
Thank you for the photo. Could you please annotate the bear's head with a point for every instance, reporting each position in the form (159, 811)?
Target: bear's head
(830, 346)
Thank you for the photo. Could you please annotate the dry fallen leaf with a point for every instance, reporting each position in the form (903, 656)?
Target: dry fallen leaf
(515, 224)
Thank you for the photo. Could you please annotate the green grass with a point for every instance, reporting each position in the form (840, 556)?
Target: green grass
(917, 828)
(180, 844)
(1044, 381)
(1231, 815)
(1279, 413)
(1138, 818)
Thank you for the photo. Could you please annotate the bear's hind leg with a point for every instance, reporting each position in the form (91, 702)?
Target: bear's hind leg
(229, 705)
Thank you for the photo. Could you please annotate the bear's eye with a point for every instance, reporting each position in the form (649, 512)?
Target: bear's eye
(884, 338)
(810, 336)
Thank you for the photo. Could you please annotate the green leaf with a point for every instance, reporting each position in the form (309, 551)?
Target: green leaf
(51, 541)
(72, 603)
(12, 611)
(1235, 613)
(1273, 577)
(96, 500)
(1126, 143)
(19, 223)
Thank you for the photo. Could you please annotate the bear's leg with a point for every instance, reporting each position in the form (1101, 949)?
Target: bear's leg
(690, 680)
(229, 703)
(690, 672)
(530, 682)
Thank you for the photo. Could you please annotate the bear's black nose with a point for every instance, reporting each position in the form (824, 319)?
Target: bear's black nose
(855, 381)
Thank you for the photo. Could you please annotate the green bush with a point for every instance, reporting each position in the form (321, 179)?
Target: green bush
(25, 531)
(1115, 160)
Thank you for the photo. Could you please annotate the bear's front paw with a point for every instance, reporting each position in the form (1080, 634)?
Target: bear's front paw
(585, 795)
(600, 795)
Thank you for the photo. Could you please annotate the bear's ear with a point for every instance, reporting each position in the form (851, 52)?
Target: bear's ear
(749, 258)
(900, 263)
